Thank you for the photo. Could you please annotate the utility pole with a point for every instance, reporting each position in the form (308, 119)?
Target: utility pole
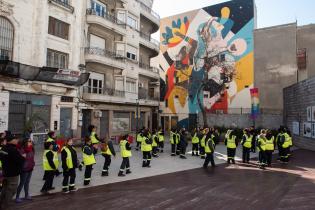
(137, 118)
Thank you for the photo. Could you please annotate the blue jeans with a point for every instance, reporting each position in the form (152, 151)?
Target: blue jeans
(25, 179)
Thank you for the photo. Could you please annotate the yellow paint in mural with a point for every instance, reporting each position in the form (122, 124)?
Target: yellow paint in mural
(225, 12)
(181, 30)
(244, 72)
(183, 75)
(181, 94)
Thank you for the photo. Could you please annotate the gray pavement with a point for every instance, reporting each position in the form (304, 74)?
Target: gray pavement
(164, 164)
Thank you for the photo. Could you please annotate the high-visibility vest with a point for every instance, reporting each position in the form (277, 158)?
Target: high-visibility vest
(123, 150)
(46, 165)
(154, 143)
(262, 143)
(177, 138)
(270, 144)
(203, 141)
(144, 146)
(50, 140)
(93, 138)
(248, 141)
(88, 159)
(231, 142)
(287, 140)
(207, 148)
(107, 152)
(195, 139)
(161, 137)
(139, 138)
(172, 137)
(69, 157)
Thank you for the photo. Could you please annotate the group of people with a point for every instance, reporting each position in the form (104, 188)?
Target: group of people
(17, 158)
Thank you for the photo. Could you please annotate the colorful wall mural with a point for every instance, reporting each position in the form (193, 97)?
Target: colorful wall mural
(207, 59)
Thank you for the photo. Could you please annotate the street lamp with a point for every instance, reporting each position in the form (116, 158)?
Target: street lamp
(137, 118)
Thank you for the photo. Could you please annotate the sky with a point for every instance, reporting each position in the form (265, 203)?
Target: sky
(269, 12)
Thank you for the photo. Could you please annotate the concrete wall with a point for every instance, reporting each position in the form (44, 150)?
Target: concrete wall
(296, 100)
(275, 63)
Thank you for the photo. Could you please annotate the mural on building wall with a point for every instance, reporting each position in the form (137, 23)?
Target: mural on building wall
(207, 58)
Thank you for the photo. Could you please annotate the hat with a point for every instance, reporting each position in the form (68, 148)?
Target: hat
(10, 137)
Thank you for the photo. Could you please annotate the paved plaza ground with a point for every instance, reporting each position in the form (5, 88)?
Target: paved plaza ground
(173, 183)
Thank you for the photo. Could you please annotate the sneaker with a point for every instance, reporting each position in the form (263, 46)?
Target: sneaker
(18, 200)
(65, 191)
(44, 192)
(28, 198)
(121, 175)
(73, 189)
(128, 172)
(52, 188)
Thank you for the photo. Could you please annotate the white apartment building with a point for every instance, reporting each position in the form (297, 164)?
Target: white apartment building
(49, 47)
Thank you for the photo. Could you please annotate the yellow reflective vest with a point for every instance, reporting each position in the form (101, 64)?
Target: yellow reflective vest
(144, 146)
(287, 142)
(154, 142)
(139, 137)
(123, 149)
(270, 144)
(248, 141)
(69, 157)
(46, 165)
(88, 159)
(207, 148)
(93, 138)
(177, 136)
(161, 137)
(262, 143)
(50, 140)
(195, 139)
(231, 142)
(203, 141)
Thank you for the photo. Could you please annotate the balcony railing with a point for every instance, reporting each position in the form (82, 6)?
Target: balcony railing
(106, 16)
(63, 3)
(149, 10)
(148, 68)
(149, 38)
(104, 91)
(144, 94)
(118, 55)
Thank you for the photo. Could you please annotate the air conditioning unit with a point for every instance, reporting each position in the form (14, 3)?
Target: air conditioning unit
(11, 70)
(141, 85)
(98, 114)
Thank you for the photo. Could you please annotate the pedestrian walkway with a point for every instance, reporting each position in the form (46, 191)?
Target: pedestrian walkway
(161, 165)
(237, 187)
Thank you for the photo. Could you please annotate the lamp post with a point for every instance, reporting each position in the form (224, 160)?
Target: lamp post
(137, 117)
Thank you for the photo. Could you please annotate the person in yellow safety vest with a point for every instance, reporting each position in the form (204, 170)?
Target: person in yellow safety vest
(261, 145)
(94, 138)
(107, 150)
(288, 135)
(146, 148)
(195, 142)
(174, 141)
(209, 150)
(203, 143)
(231, 144)
(51, 136)
(125, 152)
(287, 142)
(139, 139)
(270, 147)
(247, 145)
(50, 166)
(178, 140)
(155, 141)
(88, 159)
(161, 140)
(69, 161)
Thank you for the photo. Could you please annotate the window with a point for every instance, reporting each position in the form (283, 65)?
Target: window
(57, 59)
(95, 86)
(58, 28)
(301, 58)
(97, 42)
(132, 52)
(131, 56)
(119, 84)
(99, 8)
(6, 39)
(131, 86)
(132, 22)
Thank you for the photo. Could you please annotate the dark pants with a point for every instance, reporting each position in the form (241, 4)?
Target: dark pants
(154, 151)
(25, 179)
(8, 190)
(49, 178)
(182, 151)
(262, 157)
(283, 153)
(195, 149)
(138, 145)
(209, 158)
(87, 174)
(246, 154)
(70, 174)
(268, 157)
(173, 149)
(202, 151)
(231, 154)
(178, 149)
(161, 146)
(146, 159)
(125, 164)
(107, 163)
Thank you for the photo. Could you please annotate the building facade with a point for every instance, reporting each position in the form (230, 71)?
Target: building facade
(73, 63)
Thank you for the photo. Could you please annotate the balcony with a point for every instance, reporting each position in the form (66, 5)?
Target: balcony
(150, 14)
(147, 70)
(106, 20)
(65, 4)
(105, 57)
(146, 98)
(147, 41)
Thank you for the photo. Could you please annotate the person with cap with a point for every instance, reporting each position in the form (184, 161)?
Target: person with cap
(247, 145)
(203, 143)
(69, 161)
(12, 165)
(50, 166)
(107, 149)
(155, 143)
(231, 145)
(195, 143)
(270, 147)
(51, 138)
(209, 150)
(146, 148)
(94, 138)
(125, 152)
(88, 159)
(161, 140)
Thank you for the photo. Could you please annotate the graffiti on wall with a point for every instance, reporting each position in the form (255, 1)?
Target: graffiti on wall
(207, 58)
